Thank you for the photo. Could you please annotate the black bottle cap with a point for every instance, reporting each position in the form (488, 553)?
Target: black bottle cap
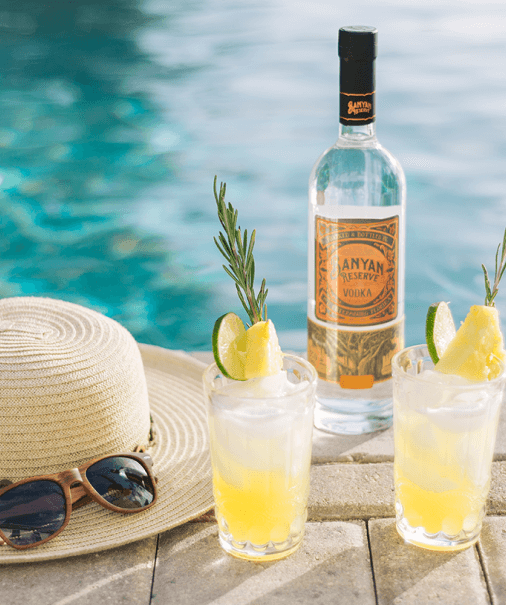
(358, 42)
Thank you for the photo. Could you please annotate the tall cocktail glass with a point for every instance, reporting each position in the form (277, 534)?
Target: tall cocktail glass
(261, 435)
(444, 429)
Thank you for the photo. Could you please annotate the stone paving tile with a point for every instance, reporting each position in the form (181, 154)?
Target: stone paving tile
(408, 575)
(496, 503)
(492, 548)
(375, 447)
(500, 444)
(121, 575)
(363, 491)
(331, 567)
(351, 491)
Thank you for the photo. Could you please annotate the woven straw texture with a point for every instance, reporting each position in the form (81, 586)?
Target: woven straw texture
(176, 403)
(72, 387)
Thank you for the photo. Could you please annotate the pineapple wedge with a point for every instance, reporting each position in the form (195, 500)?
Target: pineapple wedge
(263, 355)
(477, 345)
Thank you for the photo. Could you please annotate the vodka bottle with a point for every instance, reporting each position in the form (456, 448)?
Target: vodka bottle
(357, 196)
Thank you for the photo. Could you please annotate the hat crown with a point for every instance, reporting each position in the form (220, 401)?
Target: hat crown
(72, 387)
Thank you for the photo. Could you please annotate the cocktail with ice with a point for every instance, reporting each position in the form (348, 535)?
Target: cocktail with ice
(447, 399)
(260, 433)
(260, 408)
(444, 429)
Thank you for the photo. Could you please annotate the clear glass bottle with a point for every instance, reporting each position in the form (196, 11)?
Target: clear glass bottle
(357, 194)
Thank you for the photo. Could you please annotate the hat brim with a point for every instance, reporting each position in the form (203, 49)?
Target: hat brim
(181, 463)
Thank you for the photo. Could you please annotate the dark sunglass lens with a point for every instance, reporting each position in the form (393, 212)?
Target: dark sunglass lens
(122, 481)
(32, 512)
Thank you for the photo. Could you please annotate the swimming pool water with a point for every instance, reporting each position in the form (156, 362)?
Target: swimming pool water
(115, 117)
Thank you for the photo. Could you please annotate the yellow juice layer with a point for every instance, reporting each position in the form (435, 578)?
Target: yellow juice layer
(261, 506)
(448, 511)
(442, 475)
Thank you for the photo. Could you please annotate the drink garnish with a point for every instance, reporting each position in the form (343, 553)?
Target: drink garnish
(227, 332)
(499, 270)
(239, 255)
(239, 353)
(475, 350)
(439, 329)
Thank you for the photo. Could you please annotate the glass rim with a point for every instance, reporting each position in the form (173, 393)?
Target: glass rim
(396, 369)
(213, 369)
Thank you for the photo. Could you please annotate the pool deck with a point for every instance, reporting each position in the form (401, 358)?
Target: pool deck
(351, 553)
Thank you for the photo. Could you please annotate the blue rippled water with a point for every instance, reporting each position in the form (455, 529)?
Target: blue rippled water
(115, 116)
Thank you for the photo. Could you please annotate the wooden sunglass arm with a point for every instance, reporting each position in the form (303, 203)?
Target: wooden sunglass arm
(79, 497)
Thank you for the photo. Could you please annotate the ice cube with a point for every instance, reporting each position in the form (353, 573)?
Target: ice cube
(446, 404)
(276, 385)
(467, 411)
(474, 453)
(440, 378)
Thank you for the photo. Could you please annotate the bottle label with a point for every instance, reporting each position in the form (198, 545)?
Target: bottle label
(356, 109)
(354, 360)
(356, 277)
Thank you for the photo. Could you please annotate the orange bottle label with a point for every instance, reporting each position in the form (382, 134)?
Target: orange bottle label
(353, 359)
(356, 276)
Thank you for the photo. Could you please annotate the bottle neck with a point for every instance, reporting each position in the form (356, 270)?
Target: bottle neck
(357, 83)
(357, 133)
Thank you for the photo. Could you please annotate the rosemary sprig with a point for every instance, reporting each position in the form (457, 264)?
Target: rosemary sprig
(239, 254)
(500, 265)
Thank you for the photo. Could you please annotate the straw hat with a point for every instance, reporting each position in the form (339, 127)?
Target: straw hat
(74, 385)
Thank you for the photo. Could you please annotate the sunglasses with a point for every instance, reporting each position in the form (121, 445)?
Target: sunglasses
(35, 510)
